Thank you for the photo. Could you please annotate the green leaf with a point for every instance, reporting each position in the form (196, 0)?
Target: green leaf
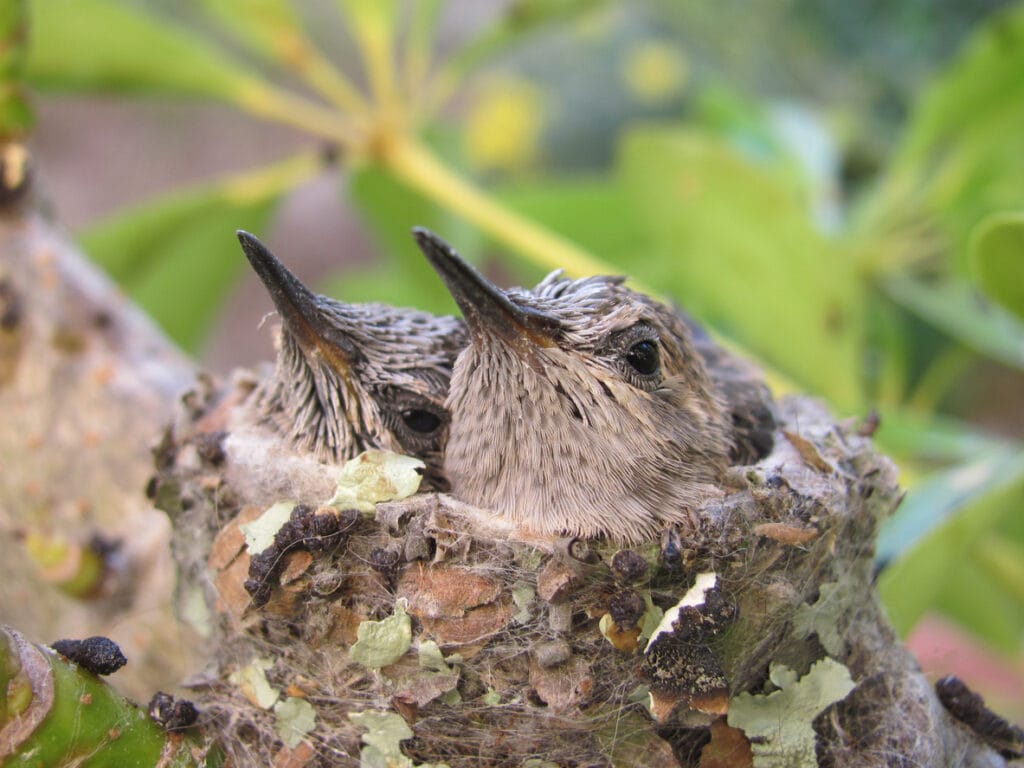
(110, 45)
(75, 718)
(1001, 556)
(984, 81)
(178, 258)
(956, 308)
(958, 508)
(983, 606)
(263, 25)
(962, 156)
(735, 243)
(942, 496)
(15, 114)
(997, 258)
(933, 438)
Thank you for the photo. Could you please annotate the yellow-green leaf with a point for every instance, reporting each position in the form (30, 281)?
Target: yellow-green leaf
(110, 45)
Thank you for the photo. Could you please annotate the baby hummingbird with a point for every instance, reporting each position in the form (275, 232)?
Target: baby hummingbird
(579, 407)
(354, 376)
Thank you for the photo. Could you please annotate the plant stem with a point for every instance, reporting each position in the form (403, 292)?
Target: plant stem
(373, 26)
(419, 168)
(418, 48)
(268, 181)
(322, 75)
(284, 107)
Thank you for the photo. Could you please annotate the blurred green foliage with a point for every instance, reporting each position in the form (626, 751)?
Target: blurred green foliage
(771, 166)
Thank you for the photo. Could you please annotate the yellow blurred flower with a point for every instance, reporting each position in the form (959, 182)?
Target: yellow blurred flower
(504, 125)
(655, 71)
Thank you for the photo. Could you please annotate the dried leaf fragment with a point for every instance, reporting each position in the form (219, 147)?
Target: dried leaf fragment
(786, 534)
(230, 539)
(808, 452)
(477, 625)
(445, 592)
(728, 748)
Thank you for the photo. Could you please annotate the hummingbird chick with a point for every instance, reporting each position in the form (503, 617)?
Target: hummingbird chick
(351, 377)
(579, 407)
(749, 403)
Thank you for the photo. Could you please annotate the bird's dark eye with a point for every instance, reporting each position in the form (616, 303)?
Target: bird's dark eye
(422, 421)
(644, 357)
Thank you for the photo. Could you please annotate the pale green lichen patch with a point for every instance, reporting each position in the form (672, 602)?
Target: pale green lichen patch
(194, 610)
(523, 596)
(380, 643)
(252, 680)
(778, 724)
(823, 617)
(260, 533)
(431, 657)
(376, 476)
(492, 698)
(382, 741)
(651, 619)
(295, 718)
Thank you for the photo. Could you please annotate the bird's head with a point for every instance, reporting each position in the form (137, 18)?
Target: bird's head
(355, 376)
(579, 406)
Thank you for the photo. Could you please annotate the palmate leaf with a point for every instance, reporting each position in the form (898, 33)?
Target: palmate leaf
(112, 46)
(962, 155)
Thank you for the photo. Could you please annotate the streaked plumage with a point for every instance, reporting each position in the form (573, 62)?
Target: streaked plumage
(579, 407)
(354, 376)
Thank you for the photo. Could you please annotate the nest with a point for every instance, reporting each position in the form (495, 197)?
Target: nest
(417, 634)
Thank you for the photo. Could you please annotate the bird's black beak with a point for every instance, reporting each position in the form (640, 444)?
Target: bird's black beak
(485, 306)
(297, 305)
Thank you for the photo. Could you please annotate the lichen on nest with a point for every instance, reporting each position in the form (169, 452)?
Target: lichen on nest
(496, 651)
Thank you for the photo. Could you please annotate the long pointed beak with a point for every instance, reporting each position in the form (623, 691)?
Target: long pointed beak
(485, 306)
(298, 307)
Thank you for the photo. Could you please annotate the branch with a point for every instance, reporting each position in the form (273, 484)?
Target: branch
(86, 383)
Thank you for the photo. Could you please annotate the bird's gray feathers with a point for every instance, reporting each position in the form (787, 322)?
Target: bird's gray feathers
(350, 377)
(404, 360)
(569, 439)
